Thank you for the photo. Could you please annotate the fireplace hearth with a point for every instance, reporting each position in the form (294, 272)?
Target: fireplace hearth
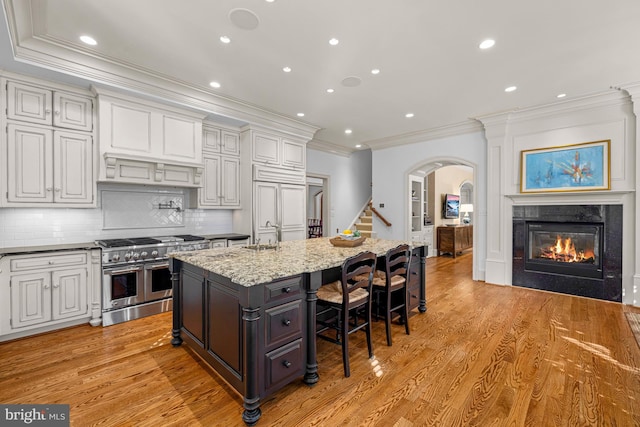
(571, 249)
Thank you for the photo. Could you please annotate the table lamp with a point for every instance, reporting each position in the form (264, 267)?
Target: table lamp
(466, 208)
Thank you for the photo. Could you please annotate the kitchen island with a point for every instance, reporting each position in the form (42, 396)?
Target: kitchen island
(251, 314)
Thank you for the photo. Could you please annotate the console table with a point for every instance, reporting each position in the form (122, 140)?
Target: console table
(455, 239)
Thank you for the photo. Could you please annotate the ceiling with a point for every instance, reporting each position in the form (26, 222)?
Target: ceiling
(427, 52)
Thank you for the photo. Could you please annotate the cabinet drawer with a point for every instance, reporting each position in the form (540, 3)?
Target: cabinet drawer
(283, 323)
(31, 263)
(283, 365)
(282, 290)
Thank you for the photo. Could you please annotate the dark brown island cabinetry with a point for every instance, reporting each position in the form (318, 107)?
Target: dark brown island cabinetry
(260, 337)
(455, 239)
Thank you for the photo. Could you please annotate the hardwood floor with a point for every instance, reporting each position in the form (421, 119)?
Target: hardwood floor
(482, 355)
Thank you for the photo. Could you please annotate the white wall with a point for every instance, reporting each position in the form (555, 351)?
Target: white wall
(391, 168)
(349, 184)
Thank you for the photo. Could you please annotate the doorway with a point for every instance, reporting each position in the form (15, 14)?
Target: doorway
(317, 206)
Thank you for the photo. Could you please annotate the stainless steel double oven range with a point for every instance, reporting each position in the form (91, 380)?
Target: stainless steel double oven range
(136, 281)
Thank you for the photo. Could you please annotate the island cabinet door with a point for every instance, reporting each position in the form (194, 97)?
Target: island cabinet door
(413, 287)
(224, 327)
(192, 299)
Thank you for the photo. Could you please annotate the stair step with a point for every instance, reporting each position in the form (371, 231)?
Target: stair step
(367, 234)
(366, 219)
(364, 227)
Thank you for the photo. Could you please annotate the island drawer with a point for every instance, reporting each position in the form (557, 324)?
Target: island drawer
(283, 323)
(282, 290)
(283, 364)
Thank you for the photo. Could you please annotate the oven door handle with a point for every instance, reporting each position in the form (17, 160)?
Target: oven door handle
(123, 271)
(157, 266)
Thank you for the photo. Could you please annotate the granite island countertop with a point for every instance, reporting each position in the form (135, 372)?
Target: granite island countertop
(248, 267)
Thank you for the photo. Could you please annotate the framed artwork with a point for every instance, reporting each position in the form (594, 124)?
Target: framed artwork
(578, 167)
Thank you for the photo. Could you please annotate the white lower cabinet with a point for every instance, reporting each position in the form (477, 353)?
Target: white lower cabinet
(49, 290)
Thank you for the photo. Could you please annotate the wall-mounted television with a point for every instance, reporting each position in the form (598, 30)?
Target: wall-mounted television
(451, 206)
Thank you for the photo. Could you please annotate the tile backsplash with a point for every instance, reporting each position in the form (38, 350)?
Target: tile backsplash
(34, 226)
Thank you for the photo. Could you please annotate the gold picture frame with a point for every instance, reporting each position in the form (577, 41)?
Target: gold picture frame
(577, 167)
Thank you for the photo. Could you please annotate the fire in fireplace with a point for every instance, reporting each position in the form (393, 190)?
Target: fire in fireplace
(564, 248)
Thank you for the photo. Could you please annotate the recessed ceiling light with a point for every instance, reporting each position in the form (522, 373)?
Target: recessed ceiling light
(375, 71)
(300, 114)
(510, 89)
(408, 115)
(348, 131)
(270, 1)
(561, 95)
(215, 84)
(358, 145)
(330, 90)
(334, 41)
(225, 39)
(486, 44)
(286, 69)
(88, 40)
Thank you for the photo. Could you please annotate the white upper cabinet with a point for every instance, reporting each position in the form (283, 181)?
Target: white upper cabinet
(48, 153)
(48, 166)
(43, 106)
(221, 178)
(275, 150)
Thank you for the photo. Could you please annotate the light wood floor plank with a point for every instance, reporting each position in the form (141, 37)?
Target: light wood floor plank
(482, 355)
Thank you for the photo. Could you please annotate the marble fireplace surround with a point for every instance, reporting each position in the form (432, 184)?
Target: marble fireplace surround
(608, 287)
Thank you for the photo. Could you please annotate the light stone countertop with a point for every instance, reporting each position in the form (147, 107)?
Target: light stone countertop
(48, 248)
(248, 267)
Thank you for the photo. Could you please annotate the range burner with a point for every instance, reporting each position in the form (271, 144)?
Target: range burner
(136, 241)
(189, 237)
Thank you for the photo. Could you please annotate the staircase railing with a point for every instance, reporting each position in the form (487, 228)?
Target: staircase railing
(379, 215)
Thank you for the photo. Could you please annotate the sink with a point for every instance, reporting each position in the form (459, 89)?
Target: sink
(260, 247)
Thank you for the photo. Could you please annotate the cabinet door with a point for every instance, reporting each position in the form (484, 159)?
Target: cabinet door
(292, 210)
(266, 209)
(210, 191)
(30, 162)
(266, 148)
(230, 143)
(72, 111)
(230, 177)
(29, 103)
(73, 167)
(293, 154)
(30, 299)
(211, 139)
(69, 293)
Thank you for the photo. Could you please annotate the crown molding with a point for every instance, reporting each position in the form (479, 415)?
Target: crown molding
(329, 147)
(466, 127)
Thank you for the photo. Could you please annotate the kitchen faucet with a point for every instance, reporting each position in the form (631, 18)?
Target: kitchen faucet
(278, 233)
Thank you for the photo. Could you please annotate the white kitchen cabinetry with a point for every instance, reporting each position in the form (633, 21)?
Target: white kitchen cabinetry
(48, 166)
(44, 106)
(48, 290)
(279, 204)
(221, 177)
(416, 206)
(148, 143)
(48, 153)
(277, 150)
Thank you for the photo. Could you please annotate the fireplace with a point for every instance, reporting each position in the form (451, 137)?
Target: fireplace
(570, 249)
